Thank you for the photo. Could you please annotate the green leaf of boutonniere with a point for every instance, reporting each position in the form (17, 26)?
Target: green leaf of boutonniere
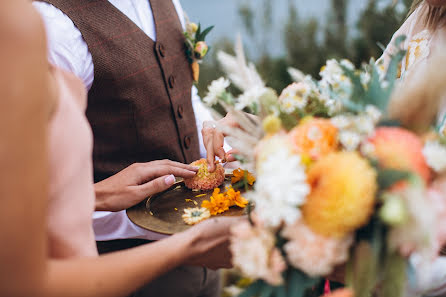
(201, 36)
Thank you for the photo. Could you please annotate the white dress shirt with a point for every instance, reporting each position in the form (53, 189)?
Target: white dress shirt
(69, 51)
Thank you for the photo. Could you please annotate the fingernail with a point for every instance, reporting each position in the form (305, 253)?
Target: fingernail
(170, 180)
(196, 168)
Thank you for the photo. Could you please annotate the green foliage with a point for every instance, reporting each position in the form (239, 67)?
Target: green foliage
(201, 35)
(393, 276)
(308, 44)
(297, 285)
(389, 177)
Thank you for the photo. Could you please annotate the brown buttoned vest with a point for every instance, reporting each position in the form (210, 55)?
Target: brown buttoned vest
(139, 105)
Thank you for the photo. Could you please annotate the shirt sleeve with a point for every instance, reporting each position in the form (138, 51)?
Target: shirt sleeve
(66, 47)
(117, 225)
(202, 114)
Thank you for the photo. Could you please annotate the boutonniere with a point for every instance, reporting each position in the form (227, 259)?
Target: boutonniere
(196, 47)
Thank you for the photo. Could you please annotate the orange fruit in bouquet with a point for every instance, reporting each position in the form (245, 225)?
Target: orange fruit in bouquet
(342, 198)
(205, 180)
(314, 137)
(399, 149)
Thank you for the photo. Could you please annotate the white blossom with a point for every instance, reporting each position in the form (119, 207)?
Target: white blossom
(435, 155)
(249, 98)
(215, 90)
(349, 140)
(281, 188)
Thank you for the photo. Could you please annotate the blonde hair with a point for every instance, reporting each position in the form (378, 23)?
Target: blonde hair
(435, 16)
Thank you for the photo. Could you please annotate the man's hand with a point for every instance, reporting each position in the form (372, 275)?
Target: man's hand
(138, 181)
(214, 141)
(210, 242)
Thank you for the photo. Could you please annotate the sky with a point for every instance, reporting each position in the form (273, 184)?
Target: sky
(224, 15)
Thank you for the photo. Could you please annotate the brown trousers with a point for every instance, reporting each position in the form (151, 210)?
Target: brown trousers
(184, 281)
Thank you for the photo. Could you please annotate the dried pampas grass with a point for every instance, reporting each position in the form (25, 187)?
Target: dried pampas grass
(417, 99)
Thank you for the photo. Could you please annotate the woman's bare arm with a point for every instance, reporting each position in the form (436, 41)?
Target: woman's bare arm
(119, 274)
(23, 156)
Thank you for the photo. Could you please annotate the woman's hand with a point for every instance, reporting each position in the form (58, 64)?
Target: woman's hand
(210, 242)
(214, 140)
(138, 181)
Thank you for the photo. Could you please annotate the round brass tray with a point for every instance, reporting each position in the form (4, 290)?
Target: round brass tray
(162, 213)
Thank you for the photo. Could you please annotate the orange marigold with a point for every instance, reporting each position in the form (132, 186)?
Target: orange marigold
(239, 174)
(217, 204)
(342, 196)
(235, 198)
(314, 137)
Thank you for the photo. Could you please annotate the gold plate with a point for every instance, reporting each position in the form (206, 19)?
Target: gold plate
(162, 213)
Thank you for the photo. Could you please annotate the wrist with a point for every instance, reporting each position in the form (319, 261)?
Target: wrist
(101, 193)
(185, 244)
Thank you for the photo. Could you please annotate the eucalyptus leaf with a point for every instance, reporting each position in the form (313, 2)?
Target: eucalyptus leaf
(280, 292)
(253, 290)
(267, 291)
(375, 94)
(298, 283)
(358, 88)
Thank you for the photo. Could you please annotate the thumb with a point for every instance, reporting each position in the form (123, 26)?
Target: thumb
(157, 185)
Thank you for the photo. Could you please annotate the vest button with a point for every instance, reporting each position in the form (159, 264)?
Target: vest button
(171, 81)
(187, 142)
(180, 111)
(161, 50)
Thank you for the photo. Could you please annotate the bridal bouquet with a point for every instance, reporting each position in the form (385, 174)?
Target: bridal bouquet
(341, 183)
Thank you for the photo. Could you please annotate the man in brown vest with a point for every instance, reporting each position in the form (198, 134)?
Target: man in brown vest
(131, 56)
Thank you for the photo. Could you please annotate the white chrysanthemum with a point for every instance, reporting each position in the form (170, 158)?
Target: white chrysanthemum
(365, 78)
(367, 149)
(249, 98)
(435, 155)
(281, 188)
(215, 90)
(374, 113)
(364, 124)
(295, 97)
(333, 75)
(331, 71)
(350, 140)
(342, 122)
(347, 64)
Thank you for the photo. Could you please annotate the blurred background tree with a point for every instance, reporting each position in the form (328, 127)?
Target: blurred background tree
(308, 43)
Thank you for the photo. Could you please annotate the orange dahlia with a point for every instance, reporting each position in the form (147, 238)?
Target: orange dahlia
(315, 138)
(342, 196)
(205, 180)
(397, 148)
